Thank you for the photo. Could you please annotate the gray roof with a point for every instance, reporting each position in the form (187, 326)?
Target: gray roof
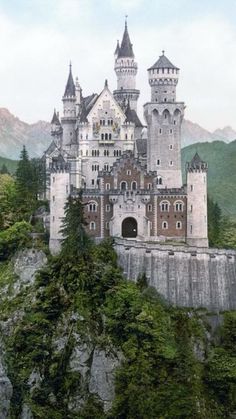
(51, 148)
(117, 48)
(163, 62)
(141, 144)
(126, 48)
(70, 86)
(55, 119)
(86, 106)
(131, 116)
(196, 163)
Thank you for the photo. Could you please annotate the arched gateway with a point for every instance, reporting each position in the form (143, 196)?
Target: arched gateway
(129, 227)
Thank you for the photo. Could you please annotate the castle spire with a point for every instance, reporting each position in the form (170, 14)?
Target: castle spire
(70, 86)
(126, 48)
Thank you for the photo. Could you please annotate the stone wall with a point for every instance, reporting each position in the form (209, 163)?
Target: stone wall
(185, 276)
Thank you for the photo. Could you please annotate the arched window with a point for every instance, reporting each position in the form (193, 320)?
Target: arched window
(109, 136)
(164, 206)
(102, 136)
(164, 225)
(123, 186)
(134, 185)
(179, 206)
(106, 136)
(149, 186)
(159, 180)
(178, 225)
(92, 206)
(149, 207)
(92, 225)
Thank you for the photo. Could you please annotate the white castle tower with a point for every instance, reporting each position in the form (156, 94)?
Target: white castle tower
(164, 118)
(68, 120)
(59, 192)
(197, 233)
(126, 69)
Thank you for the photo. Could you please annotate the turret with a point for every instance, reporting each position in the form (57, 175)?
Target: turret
(56, 128)
(68, 120)
(126, 69)
(197, 233)
(163, 78)
(78, 94)
(164, 119)
(59, 192)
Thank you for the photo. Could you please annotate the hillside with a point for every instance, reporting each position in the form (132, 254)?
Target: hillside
(221, 158)
(14, 134)
(10, 164)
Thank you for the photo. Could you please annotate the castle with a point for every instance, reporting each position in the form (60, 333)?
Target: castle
(130, 174)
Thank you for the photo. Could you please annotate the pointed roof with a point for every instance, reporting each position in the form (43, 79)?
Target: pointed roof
(196, 163)
(131, 116)
(117, 48)
(163, 62)
(126, 48)
(55, 119)
(70, 86)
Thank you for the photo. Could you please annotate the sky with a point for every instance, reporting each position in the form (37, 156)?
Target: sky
(38, 38)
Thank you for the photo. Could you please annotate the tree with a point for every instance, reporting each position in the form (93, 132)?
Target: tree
(4, 170)
(26, 195)
(75, 239)
(7, 200)
(214, 222)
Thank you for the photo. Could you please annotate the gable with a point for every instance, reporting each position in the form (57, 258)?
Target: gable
(106, 108)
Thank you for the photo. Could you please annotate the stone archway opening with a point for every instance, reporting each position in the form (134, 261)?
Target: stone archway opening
(129, 227)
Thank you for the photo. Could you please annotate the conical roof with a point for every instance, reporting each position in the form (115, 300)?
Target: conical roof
(55, 119)
(196, 163)
(163, 62)
(70, 86)
(117, 48)
(126, 48)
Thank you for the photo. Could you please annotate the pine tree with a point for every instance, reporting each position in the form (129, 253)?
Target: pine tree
(214, 222)
(4, 170)
(75, 239)
(25, 200)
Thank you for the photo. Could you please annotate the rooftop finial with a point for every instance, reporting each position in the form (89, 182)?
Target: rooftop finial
(70, 65)
(106, 83)
(163, 52)
(126, 17)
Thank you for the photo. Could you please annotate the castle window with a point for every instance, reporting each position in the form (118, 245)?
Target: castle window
(174, 122)
(109, 136)
(102, 136)
(128, 172)
(159, 180)
(171, 146)
(53, 179)
(134, 186)
(191, 188)
(165, 99)
(171, 131)
(149, 186)
(191, 228)
(107, 225)
(86, 136)
(92, 182)
(86, 152)
(126, 136)
(149, 207)
(92, 225)
(108, 208)
(160, 131)
(92, 207)
(178, 225)
(106, 136)
(164, 225)
(107, 186)
(53, 218)
(158, 162)
(171, 163)
(191, 208)
(164, 205)
(106, 167)
(119, 152)
(92, 167)
(179, 206)
(123, 186)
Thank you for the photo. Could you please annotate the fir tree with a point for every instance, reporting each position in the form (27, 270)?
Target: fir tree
(214, 222)
(25, 200)
(4, 170)
(75, 239)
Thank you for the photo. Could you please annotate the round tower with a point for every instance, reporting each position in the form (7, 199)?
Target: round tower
(68, 120)
(197, 232)
(59, 192)
(164, 117)
(163, 78)
(126, 69)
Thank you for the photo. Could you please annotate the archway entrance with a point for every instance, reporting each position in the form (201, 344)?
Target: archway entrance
(129, 227)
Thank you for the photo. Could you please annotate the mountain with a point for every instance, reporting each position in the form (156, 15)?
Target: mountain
(15, 133)
(193, 133)
(221, 159)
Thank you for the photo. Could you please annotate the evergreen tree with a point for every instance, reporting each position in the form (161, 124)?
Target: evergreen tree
(214, 222)
(4, 170)
(76, 241)
(25, 200)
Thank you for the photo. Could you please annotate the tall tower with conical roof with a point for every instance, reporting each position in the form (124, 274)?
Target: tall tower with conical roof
(69, 111)
(126, 69)
(164, 117)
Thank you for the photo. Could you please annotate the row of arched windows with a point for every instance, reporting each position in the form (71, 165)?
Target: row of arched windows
(165, 206)
(106, 136)
(165, 225)
(124, 185)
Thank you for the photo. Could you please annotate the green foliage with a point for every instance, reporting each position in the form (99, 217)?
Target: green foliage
(76, 241)
(7, 200)
(11, 165)
(15, 237)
